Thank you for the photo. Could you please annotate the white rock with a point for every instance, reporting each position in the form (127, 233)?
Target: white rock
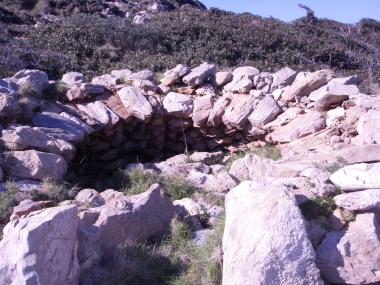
(265, 112)
(73, 77)
(285, 76)
(202, 108)
(41, 248)
(334, 116)
(199, 74)
(359, 201)
(369, 126)
(238, 111)
(100, 112)
(178, 105)
(281, 253)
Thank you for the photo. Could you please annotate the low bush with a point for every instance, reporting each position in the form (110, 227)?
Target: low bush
(8, 200)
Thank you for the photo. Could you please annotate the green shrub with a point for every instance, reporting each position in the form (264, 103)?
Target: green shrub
(56, 191)
(177, 187)
(8, 200)
(318, 206)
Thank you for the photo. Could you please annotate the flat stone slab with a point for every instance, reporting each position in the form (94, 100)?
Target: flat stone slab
(359, 201)
(361, 153)
(356, 177)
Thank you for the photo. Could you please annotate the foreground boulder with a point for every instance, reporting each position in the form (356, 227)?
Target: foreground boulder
(41, 248)
(31, 164)
(351, 256)
(135, 218)
(305, 86)
(265, 240)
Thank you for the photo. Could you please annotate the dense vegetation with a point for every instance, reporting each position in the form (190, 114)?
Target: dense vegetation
(94, 44)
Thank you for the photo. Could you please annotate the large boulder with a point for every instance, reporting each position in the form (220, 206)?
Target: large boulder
(9, 106)
(173, 75)
(177, 105)
(24, 137)
(217, 112)
(31, 164)
(34, 79)
(135, 218)
(202, 108)
(55, 121)
(242, 77)
(305, 86)
(199, 74)
(359, 201)
(265, 240)
(265, 112)
(361, 153)
(238, 111)
(136, 103)
(334, 94)
(357, 177)
(351, 256)
(73, 77)
(369, 126)
(41, 248)
(285, 76)
(303, 125)
(100, 112)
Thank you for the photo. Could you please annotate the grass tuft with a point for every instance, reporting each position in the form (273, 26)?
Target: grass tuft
(8, 200)
(56, 191)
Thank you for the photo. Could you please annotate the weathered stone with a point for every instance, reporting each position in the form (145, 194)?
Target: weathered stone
(311, 122)
(58, 133)
(121, 74)
(116, 105)
(24, 137)
(252, 167)
(76, 92)
(334, 94)
(359, 154)
(106, 80)
(285, 76)
(222, 182)
(334, 116)
(336, 220)
(177, 105)
(89, 248)
(51, 120)
(242, 86)
(87, 128)
(202, 108)
(135, 218)
(206, 157)
(222, 78)
(173, 75)
(136, 103)
(355, 177)
(238, 111)
(217, 112)
(310, 83)
(345, 80)
(25, 209)
(41, 248)
(199, 74)
(72, 77)
(34, 79)
(368, 126)
(145, 85)
(100, 112)
(91, 197)
(250, 258)
(359, 201)
(350, 256)
(265, 112)
(31, 164)
(9, 106)
(142, 75)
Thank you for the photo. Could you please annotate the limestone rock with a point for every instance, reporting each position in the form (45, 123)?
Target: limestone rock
(35, 79)
(51, 120)
(177, 105)
(173, 75)
(265, 112)
(136, 103)
(206, 157)
(142, 75)
(242, 86)
(350, 256)
(106, 80)
(334, 94)
(9, 106)
(87, 128)
(369, 126)
(279, 254)
(91, 197)
(72, 77)
(285, 76)
(238, 111)
(308, 123)
(222, 78)
(23, 137)
(310, 83)
(199, 74)
(359, 201)
(31, 164)
(116, 105)
(100, 112)
(202, 108)
(359, 154)
(357, 177)
(217, 112)
(121, 74)
(334, 116)
(25, 209)
(41, 248)
(135, 218)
